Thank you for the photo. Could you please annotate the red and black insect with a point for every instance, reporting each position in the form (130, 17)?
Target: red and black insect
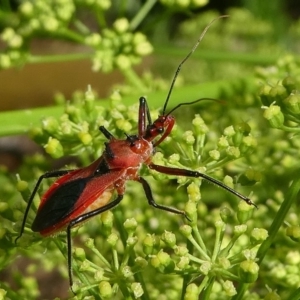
(81, 194)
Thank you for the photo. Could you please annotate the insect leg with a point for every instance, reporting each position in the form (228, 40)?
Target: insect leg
(195, 174)
(80, 219)
(143, 114)
(152, 202)
(106, 133)
(46, 175)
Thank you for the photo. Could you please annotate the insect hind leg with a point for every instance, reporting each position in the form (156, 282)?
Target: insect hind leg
(50, 174)
(79, 220)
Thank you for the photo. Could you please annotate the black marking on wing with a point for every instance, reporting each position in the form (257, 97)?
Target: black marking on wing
(60, 204)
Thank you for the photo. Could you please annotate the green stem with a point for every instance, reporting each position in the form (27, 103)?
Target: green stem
(134, 80)
(279, 219)
(242, 289)
(35, 59)
(142, 13)
(20, 121)
(295, 295)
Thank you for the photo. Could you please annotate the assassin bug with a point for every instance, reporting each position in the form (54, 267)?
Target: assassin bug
(77, 195)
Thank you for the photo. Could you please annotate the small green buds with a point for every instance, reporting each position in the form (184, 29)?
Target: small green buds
(248, 271)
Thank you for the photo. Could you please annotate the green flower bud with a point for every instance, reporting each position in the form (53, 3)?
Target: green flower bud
(214, 154)
(54, 148)
(239, 229)
(272, 295)
(155, 262)
(169, 238)
(105, 290)
(229, 131)
(124, 125)
(250, 177)
(191, 210)
(293, 258)
(194, 192)
(229, 288)
(131, 241)
(241, 130)
(99, 275)
(274, 115)
(107, 219)
(85, 266)
(90, 243)
(224, 262)
(126, 272)
(143, 48)
(112, 239)
(293, 232)
(226, 214)
(233, 152)
(258, 235)
(121, 25)
(199, 126)
(26, 8)
(223, 142)
(79, 254)
(205, 267)
(5, 61)
(4, 206)
(183, 263)
(265, 96)
(50, 125)
(137, 289)
(186, 230)
(94, 39)
(50, 23)
(245, 212)
(164, 258)
(22, 185)
(2, 293)
(130, 225)
(292, 103)
(188, 137)
(181, 250)
(220, 225)
(85, 138)
(141, 262)
(123, 62)
(289, 83)
(148, 244)
(248, 271)
(191, 292)
(278, 93)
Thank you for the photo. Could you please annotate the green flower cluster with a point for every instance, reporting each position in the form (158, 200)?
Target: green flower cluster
(110, 48)
(280, 95)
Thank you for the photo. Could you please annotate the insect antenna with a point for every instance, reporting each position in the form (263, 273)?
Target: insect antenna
(190, 103)
(184, 60)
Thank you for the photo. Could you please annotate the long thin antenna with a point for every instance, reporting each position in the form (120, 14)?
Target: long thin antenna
(186, 58)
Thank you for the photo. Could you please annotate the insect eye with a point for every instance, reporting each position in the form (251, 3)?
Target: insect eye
(160, 129)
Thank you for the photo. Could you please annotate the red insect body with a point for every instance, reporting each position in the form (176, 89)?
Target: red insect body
(81, 194)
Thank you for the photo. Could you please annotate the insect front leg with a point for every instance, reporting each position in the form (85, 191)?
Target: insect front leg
(79, 220)
(152, 202)
(50, 174)
(195, 174)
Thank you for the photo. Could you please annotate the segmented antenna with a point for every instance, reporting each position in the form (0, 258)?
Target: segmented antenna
(186, 58)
